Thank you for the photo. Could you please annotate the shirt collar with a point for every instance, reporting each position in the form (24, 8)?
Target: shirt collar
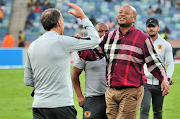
(132, 28)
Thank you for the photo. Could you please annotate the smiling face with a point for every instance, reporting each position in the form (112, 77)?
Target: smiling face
(126, 16)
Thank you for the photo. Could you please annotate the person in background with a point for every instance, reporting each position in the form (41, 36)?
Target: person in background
(177, 5)
(40, 35)
(31, 3)
(93, 104)
(28, 24)
(8, 41)
(21, 41)
(1, 15)
(93, 20)
(126, 50)
(166, 30)
(37, 8)
(158, 10)
(111, 24)
(31, 15)
(152, 90)
(150, 10)
(47, 65)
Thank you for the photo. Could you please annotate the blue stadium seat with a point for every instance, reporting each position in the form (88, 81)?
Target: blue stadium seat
(103, 11)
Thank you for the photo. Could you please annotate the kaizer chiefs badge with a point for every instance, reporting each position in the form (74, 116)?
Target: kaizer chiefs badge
(159, 46)
(87, 114)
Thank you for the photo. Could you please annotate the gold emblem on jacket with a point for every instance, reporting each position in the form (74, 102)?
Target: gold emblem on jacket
(87, 114)
(159, 46)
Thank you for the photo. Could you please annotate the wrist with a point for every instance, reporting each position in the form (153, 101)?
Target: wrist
(166, 81)
(84, 16)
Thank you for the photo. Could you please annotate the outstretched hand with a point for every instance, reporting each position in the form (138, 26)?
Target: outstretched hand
(80, 36)
(78, 11)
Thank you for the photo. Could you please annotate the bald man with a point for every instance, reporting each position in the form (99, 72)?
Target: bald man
(126, 50)
(93, 104)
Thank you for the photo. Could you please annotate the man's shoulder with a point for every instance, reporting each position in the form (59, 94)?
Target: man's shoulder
(141, 32)
(162, 40)
(143, 36)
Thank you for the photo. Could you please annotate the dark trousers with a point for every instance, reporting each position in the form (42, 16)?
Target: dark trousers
(154, 92)
(94, 107)
(68, 112)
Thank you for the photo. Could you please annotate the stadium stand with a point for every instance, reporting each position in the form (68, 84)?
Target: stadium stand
(102, 11)
(6, 6)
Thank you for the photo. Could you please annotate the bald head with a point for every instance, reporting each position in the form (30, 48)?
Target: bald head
(126, 16)
(102, 28)
(132, 9)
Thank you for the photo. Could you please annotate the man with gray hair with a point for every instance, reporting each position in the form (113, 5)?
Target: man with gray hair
(47, 66)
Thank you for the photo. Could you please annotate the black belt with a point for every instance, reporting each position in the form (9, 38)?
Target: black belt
(124, 87)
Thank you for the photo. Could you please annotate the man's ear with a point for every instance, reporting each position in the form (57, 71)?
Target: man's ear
(158, 28)
(59, 23)
(134, 19)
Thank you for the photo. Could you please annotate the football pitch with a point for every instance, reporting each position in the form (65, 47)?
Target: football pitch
(16, 102)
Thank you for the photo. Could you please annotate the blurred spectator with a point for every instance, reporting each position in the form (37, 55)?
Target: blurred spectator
(158, 10)
(1, 15)
(165, 33)
(165, 36)
(44, 7)
(38, 2)
(79, 23)
(150, 10)
(31, 3)
(166, 30)
(28, 24)
(50, 5)
(161, 2)
(93, 20)
(46, 2)
(40, 35)
(68, 25)
(3, 6)
(177, 6)
(111, 24)
(168, 4)
(37, 8)
(21, 40)
(8, 41)
(75, 25)
(31, 15)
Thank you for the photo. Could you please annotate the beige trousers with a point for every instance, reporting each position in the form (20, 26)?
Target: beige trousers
(124, 103)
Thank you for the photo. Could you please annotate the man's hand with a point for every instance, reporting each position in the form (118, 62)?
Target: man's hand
(78, 11)
(81, 100)
(164, 88)
(80, 36)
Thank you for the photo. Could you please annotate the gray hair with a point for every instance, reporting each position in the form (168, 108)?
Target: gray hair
(50, 17)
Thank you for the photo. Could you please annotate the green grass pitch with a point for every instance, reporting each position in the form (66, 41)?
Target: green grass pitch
(16, 102)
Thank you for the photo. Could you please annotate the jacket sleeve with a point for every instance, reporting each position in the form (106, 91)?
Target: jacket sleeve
(154, 65)
(77, 44)
(94, 54)
(28, 74)
(169, 60)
